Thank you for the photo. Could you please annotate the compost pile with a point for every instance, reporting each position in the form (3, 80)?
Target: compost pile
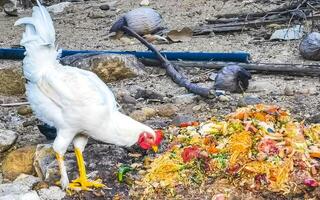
(257, 147)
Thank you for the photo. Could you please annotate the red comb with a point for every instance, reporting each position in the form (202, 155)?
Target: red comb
(159, 137)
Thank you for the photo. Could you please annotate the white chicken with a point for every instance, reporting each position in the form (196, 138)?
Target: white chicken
(75, 101)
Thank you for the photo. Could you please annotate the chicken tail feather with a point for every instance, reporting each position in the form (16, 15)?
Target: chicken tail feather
(39, 41)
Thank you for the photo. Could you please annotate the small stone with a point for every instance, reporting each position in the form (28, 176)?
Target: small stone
(288, 91)
(138, 115)
(223, 98)
(167, 110)
(144, 3)
(7, 139)
(40, 185)
(10, 9)
(124, 97)
(51, 193)
(104, 7)
(24, 110)
(143, 114)
(185, 99)
(197, 108)
(182, 118)
(314, 118)
(249, 100)
(149, 112)
(148, 94)
(18, 162)
(58, 8)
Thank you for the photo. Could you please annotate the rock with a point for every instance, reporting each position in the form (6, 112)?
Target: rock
(167, 110)
(314, 118)
(249, 100)
(149, 112)
(288, 91)
(124, 97)
(148, 94)
(40, 185)
(11, 81)
(10, 9)
(52, 193)
(144, 3)
(144, 114)
(177, 120)
(58, 8)
(197, 107)
(104, 7)
(185, 99)
(24, 110)
(310, 46)
(32, 195)
(7, 139)
(18, 161)
(109, 67)
(21, 185)
(45, 163)
(223, 98)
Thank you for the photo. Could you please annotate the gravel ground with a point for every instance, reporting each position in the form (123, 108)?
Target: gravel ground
(76, 30)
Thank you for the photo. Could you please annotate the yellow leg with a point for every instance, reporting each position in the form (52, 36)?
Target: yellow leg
(82, 183)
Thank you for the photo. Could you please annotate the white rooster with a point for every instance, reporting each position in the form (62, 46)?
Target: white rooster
(75, 101)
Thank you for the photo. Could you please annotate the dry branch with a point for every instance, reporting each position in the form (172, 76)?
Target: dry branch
(177, 77)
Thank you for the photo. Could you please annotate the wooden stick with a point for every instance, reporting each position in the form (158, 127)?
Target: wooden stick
(274, 68)
(177, 77)
(14, 104)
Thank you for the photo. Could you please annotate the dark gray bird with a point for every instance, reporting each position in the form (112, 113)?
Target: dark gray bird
(232, 78)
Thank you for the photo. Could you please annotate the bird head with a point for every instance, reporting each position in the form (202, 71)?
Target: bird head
(151, 139)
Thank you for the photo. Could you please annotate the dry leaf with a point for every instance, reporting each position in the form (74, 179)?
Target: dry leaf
(183, 35)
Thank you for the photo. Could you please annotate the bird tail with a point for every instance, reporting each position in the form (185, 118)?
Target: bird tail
(39, 41)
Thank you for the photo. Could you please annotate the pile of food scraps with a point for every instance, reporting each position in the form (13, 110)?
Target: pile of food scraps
(257, 147)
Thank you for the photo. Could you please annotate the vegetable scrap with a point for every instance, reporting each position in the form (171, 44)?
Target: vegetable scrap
(258, 147)
(123, 169)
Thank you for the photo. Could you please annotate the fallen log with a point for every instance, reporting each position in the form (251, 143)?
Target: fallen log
(242, 26)
(270, 68)
(282, 10)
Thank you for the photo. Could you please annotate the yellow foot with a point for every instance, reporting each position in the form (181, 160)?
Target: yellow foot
(84, 184)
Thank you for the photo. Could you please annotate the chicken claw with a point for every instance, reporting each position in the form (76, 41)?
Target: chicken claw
(82, 183)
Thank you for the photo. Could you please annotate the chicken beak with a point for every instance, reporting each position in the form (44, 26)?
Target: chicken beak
(155, 148)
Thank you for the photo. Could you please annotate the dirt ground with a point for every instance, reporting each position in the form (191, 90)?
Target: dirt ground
(76, 30)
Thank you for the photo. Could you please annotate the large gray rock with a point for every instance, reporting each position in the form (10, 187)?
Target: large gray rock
(109, 67)
(46, 165)
(7, 139)
(22, 185)
(31, 195)
(51, 193)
